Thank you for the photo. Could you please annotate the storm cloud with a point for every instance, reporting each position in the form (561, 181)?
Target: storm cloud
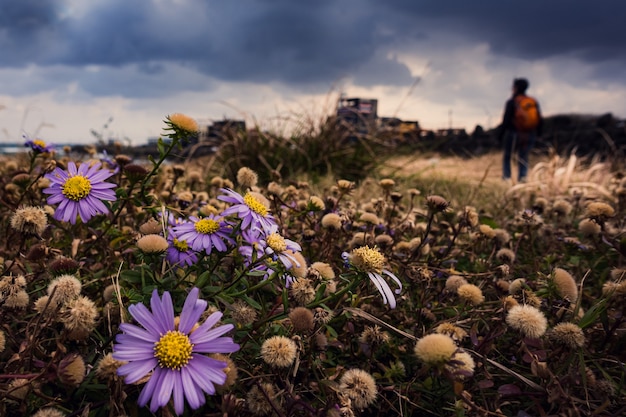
(306, 44)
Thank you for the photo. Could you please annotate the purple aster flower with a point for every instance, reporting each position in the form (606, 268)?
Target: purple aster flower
(205, 233)
(37, 145)
(372, 262)
(251, 211)
(171, 353)
(79, 191)
(281, 248)
(252, 249)
(179, 253)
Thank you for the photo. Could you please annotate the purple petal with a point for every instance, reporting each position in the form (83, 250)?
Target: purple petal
(192, 392)
(192, 310)
(179, 399)
(221, 345)
(136, 370)
(163, 391)
(163, 311)
(207, 371)
(143, 316)
(148, 390)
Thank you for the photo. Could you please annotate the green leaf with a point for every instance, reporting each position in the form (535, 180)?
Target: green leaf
(252, 302)
(131, 276)
(592, 314)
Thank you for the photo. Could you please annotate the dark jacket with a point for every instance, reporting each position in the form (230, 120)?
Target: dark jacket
(509, 114)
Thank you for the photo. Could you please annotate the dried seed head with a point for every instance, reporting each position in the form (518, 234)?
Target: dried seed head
(18, 389)
(565, 284)
(369, 218)
(599, 211)
(31, 221)
(63, 266)
(279, 351)
(12, 292)
(230, 370)
(107, 368)
(299, 268)
(374, 336)
(561, 208)
(3, 341)
(64, 288)
(151, 227)
(302, 319)
(454, 282)
(183, 122)
(449, 329)
(49, 412)
(345, 186)
(331, 221)
(435, 349)
(471, 294)
(324, 270)
(135, 172)
(589, 227)
(153, 244)
(528, 320)
(242, 313)
(71, 370)
(302, 291)
(359, 386)
(487, 231)
(461, 365)
(257, 402)
(247, 178)
(505, 255)
(569, 335)
(79, 318)
(436, 203)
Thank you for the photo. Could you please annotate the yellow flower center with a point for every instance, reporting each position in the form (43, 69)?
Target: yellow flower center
(173, 350)
(39, 142)
(76, 188)
(181, 245)
(368, 259)
(276, 242)
(207, 226)
(254, 204)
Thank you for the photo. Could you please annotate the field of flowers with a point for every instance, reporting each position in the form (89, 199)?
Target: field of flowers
(295, 280)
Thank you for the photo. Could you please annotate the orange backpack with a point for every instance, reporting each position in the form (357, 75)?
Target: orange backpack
(526, 118)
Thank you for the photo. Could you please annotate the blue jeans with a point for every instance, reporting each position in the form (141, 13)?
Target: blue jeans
(522, 143)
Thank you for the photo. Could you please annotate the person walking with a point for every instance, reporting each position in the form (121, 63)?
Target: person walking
(522, 124)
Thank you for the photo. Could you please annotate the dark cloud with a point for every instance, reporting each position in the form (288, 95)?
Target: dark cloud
(308, 44)
(531, 29)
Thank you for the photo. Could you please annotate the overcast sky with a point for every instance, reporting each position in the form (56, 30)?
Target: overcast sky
(68, 66)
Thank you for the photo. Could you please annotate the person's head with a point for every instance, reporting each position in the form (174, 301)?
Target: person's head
(520, 85)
